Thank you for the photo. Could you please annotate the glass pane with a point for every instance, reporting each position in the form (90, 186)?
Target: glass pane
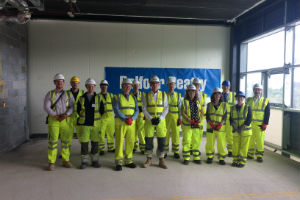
(243, 84)
(297, 45)
(251, 80)
(296, 88)
(266, 53)
(289, 46)
(288, 90)
(275, 88)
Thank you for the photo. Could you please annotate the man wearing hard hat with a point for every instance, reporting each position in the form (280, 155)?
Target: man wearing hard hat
(155, 108)
(59, 106)
(89, 124)
(173, 118)
(107, 119)
(202, 97)
(140, 121)
(240, 120)
(126, 112)
(260, 119)
(229, 98)
(76, 93)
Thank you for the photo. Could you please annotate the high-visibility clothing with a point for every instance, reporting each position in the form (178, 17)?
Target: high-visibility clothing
(123, 130)
(216, 117)
(58, 129)
(241, 136)
(171, 122)
(74, 116)
(107, 123)
(139, 125)
(81, 118)
(202, 97)
(192, 137)
(228, 128)
(258, 135)
(155, 109)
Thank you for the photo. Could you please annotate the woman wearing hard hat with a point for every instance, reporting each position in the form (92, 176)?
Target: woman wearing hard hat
(216, 117)
(192, 116)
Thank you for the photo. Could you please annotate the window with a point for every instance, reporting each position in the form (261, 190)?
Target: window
(274, 61)
(266, 53)
(275, 88)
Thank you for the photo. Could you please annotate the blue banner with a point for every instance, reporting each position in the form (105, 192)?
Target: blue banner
(210, 78)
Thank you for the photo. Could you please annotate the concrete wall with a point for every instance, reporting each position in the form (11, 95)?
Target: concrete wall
(85, 48)
(13, 70)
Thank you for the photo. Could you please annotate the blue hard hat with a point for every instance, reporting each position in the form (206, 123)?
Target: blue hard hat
(240, 94)
(226, 83)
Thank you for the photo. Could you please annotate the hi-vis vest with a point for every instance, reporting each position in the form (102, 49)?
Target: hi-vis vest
(126, 107)
(202, 99)
(187, 111)
(239, 118)
(174, 102)
(258, 109)
(53, 98)
(81, 119)
(230, 103)
(139, 101)
(80, 93)
(216, 116)
(108, 109)
(155, 109)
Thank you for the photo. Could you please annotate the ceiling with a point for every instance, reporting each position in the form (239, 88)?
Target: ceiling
(152, 11)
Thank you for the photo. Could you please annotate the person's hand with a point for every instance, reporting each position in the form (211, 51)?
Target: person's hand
(264, 127)
(179, 122)
(213, 126)
(128, 121)
(218, 127)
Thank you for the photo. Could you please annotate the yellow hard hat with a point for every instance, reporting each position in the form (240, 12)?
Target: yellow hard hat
(75, 79)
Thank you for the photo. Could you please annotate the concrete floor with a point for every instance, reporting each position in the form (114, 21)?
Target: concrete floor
(23, 176)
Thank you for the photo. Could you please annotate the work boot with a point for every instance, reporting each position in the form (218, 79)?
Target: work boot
(162, 163)
(240, 165)
(148, 162)
(229, 154)
(259, 159)
(249, 157)
(101, 153)
(83, 165)
(234, 164)
(197, 162)
(51, 167)
(96, 164)
(110, 151)
(143, 152)
(176, 155)
(131, 165)
(222, 162)
(67, 164)
(119, 168)
(165, 156)
(185, 162)
(209, 160)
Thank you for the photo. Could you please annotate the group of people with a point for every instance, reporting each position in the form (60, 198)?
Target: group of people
(134, 118)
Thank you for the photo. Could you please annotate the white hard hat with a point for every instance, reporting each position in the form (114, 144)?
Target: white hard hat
(104, 82)
(257, 86)
(171, 79)
(90, 81)
(136, 82)
(59, 76)
(126, 81)
(217, 90)
(154, 79)
(191, 87)
(196, 81)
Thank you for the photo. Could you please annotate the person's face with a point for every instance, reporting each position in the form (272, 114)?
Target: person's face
(59, 83)
(191, 94)
(75, 85)
(217, 97)
(240, 100)
(225, 88)
(257, 92)
(90, 88)
(171, 86)
(103, 88)
(136, 87)
(154, 86)
(197, 87)
(126, 87)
